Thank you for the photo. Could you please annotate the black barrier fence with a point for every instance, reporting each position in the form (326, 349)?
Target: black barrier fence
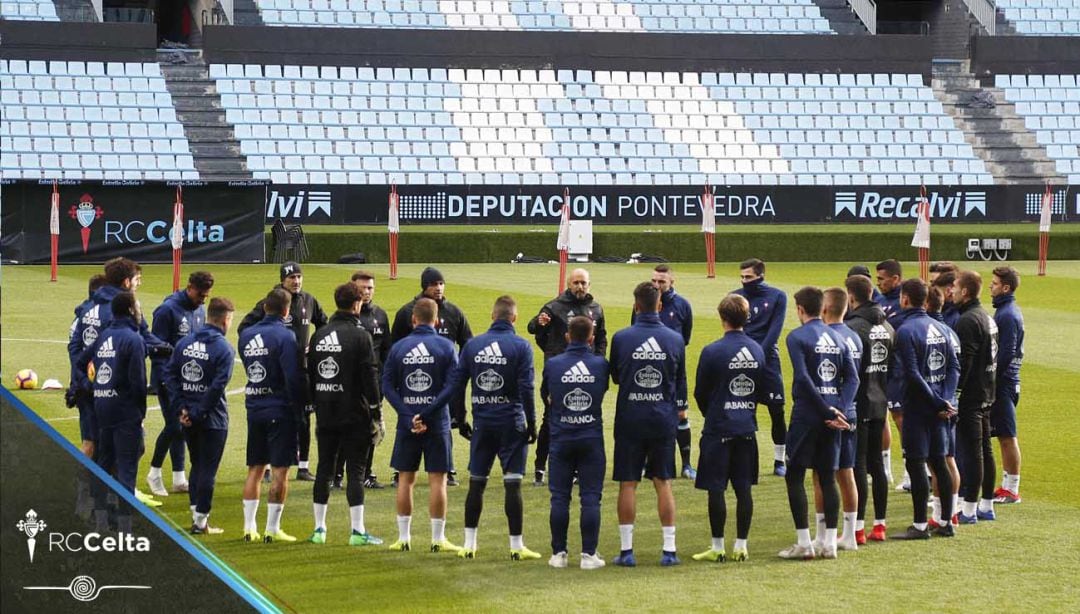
(482, 204)
(223, 222)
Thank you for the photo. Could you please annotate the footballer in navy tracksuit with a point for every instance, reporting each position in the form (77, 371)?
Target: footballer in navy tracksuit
(94, 319)
(926, 365)
(825, 382)
(768, 306)
(274, 393)
(499, 366)
(1010, 323)
(648, 362)
(729, 383)
(74, 397)
(575, 382)
(415, 372)
(890, 304)
(677, 314)
(849, 438)
(196, 377)
(179, 315)
(118, 357)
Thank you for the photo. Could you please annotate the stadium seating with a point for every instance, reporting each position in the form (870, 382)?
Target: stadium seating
(375, 125)
(1043, 17)
(1050, 106)
(28, 10)
(729, 16)
(89, 120)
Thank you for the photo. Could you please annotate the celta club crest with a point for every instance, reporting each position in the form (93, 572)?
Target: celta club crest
(85, 213)
(31, 526)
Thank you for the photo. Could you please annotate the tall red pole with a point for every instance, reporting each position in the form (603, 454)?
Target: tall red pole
(708, 227)
(394, 228)
(54, 231)
(177, 237)
(921, 240)
(1044, 229)
(563, 241)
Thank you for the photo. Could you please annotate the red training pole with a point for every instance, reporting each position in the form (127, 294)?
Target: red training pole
(394, 228)
(1044, 229)
(562, 243)
(708, 227)
(177, 237)
(54, 231)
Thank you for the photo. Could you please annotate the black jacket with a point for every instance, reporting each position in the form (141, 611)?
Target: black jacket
(343, 373)
(452, 323)
(878, 337)
(978, 336)
(304, 313)
(552, 338)
(374, 320)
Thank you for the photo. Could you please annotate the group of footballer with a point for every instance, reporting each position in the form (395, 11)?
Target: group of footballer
(928, 354)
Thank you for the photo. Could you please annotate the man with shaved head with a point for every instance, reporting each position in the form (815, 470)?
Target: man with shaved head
(549, 328)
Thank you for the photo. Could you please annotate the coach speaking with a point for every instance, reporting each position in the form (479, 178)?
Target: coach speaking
(550, 328)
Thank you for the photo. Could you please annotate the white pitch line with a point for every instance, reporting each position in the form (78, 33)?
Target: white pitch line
(228, 393)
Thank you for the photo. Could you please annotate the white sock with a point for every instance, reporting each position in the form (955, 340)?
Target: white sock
(886, 457)
(955, 504)
(1012, 483)
(404, 528)
(879, 522)
(304, 464)
(200, 520)
(860, 525)
(155, 473)
(470, 539)
(626, 537)
(251, 510)
(1004, 479)
(273, 517)
(802, 536)
(320, 516)
(849, 526)
(438, 530)
(669, 538)
(920, 526)
(830, 538)
(779, 452)
(356, 517)
(986, 505)
(935, 508)
(740, 544)
(969, 508)
(178, 477)
(718, 544)
(517, 542)
(907, 477)
(819, 527)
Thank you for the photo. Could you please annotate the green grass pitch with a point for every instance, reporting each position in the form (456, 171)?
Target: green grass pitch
(1024, 560)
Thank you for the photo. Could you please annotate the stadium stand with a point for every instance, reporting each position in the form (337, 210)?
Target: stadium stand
(89, 120)
(1050, 106)
(1042, 17)
(28, 10)
(719, 16)
(375, 125)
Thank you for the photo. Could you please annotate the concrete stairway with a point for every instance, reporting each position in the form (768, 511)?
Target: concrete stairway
(246, 13)
(75, 10)
(198, 107)
(841, 18)
(997, 135)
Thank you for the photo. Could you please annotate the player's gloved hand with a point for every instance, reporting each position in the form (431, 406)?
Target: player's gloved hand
(465, 429)
(530, 429)
(160, 351)
(378, 431)
(70, 396)
(309, 408)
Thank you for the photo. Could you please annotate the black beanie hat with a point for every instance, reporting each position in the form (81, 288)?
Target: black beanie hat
(859, 269)
(429, 277)
(290, 268)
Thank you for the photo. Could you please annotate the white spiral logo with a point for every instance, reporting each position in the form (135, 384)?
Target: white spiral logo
(83, 588)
